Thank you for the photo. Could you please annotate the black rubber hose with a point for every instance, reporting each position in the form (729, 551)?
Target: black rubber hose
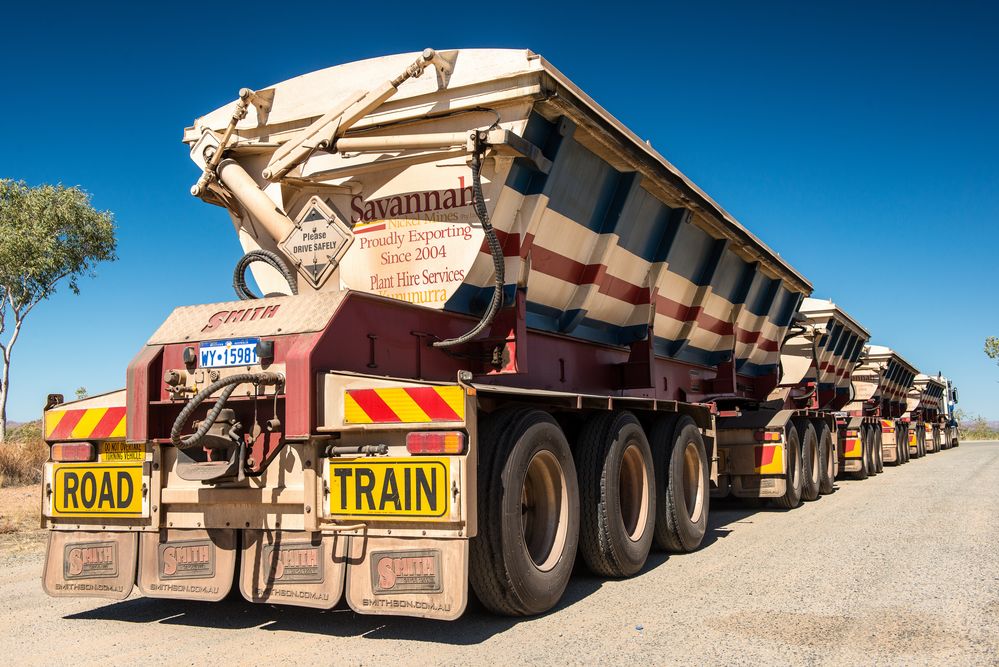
(267, 257)
(495, 249)
(229, 385)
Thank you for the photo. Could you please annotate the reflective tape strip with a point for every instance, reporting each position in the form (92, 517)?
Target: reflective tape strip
(88, 424)
(404, 405)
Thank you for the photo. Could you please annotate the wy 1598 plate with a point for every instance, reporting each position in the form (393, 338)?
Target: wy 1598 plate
(233, 352)
(416, 487)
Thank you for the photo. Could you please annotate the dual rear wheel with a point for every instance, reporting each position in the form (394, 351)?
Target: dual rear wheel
(621, 492)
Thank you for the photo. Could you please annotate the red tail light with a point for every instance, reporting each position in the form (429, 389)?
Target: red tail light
(435, 442)
(72, 451)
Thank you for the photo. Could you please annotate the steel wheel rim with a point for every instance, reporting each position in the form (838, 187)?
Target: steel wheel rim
(544, 510)
(633, 492)
(693, 481)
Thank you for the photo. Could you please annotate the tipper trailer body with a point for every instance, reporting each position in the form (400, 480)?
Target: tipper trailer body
(495, 327)
(925, 405)
(786, 445)
(873, 427)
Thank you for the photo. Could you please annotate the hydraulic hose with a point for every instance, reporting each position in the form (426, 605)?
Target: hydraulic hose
(267, 257)
(495, 249)
(228, 385)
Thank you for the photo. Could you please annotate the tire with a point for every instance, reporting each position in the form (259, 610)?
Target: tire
(810, 461)
(827, 469)
(682, 484)
(792, 448)
(617, 494)
(521, 560)
(905, 446)
(921, 442)
(879, 453)
(868, 437)
(864, 456)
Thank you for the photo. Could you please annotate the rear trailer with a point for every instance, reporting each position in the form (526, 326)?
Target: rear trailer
(874, 426)
(926, 410)
(494, 329)
(783, 444)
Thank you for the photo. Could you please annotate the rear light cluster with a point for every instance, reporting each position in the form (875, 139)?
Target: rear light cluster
(435, 442)
(764, 435)
(887, 429)
(72, 451)
(852, 434)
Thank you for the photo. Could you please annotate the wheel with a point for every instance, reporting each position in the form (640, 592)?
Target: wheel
(617, 495)
(528, 518)
(905, 446)
(810, 460)
(792, 449)
(682, 485)
(868, 437)
(865, 455)
(827, 468)
(879, 453)
(921, 442)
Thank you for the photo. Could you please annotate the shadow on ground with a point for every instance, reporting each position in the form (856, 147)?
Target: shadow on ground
(477, 624)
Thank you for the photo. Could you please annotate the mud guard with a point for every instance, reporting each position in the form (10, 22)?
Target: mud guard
(90, 564)
(187, 564)
(427, 578)
(292, 567)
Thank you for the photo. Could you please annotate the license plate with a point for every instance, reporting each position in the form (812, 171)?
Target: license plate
(398, 487)
(222, 353)
(97, 489)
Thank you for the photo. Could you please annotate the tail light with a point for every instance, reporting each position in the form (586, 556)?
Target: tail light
(887, 429)
(764, 435)
(852, 434)
(435, 442)
(72, 451)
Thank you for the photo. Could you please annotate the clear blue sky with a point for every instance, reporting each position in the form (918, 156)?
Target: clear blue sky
(859, 140)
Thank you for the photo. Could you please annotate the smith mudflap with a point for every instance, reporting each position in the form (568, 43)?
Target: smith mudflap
(87, 563)
(427, 578)
(292, 567)
(187, 564)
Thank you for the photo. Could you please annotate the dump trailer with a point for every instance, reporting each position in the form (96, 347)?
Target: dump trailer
(490, 328)
(926, 401)
(873, 427)
(784, 445)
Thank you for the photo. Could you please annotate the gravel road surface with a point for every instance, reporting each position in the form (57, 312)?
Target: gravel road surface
(900, 569)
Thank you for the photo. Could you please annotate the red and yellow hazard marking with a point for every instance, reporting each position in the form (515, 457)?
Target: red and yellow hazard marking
(769, 460)
(404, 405)
(851, 447)
(87, 424)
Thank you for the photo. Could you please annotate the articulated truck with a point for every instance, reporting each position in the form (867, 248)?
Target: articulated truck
(491, 330)
(785, 445)
(875, 427)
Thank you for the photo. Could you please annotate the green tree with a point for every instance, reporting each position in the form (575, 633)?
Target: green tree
(81, 393)
(48, 234)
(992, 348)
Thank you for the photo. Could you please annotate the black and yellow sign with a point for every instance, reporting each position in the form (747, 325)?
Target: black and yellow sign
(417, 487)
(97, 489)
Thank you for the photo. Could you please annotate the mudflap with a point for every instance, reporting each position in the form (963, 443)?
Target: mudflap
(90, 564)
(187, 564)
(292, 567)
(427, 578)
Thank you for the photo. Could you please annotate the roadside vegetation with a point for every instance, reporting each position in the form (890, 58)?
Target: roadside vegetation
(977, 428)
(22, 455)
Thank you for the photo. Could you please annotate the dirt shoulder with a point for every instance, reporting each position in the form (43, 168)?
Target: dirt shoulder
(19, 520)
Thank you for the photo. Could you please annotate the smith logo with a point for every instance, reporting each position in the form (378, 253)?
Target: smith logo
(187, 560)
(295, 563)
(241, 315)
(90, 560)
(406, 572)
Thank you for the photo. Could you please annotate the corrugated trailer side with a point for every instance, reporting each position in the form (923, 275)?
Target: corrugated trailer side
(875, 424)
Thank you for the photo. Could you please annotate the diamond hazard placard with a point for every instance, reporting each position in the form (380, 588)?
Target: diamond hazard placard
(318, 242)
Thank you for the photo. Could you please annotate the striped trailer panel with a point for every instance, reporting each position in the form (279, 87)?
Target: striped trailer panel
(404, 405)
(839, 341)
(930, 393)
(881, 384)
